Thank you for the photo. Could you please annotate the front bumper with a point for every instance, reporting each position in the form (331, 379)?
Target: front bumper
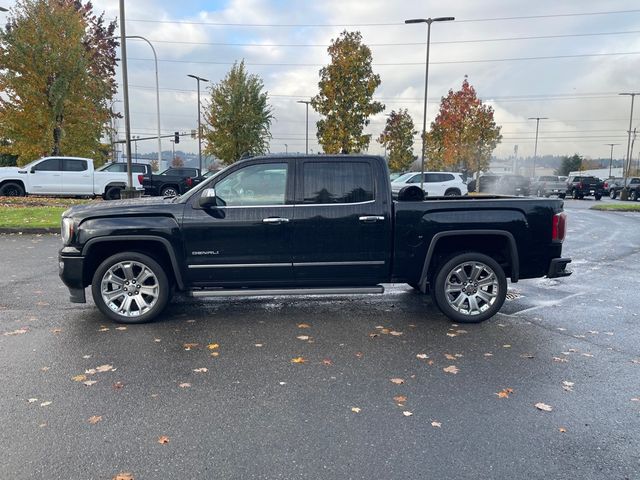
(558, 268)
(70, 270)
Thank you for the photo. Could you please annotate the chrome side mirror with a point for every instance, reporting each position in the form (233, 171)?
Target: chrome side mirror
(208, 198)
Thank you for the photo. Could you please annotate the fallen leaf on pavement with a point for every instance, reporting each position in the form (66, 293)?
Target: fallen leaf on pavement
(19, 331)
(56, 330)
(488, 354)
(303, 337)
(213, 346)
(103, 329)
(304, 325)
(86, 356)
(327, 361)
(45, 404)
(543, 406)
(298, 360)
(568, 386)
(359, 354)
(448, 356)
(215, 354)
(527, 355)
(189, 346)
(506, 346)
(88, 383)
(373, 335)
(397, 381)
(407, 413)
(400, 399)
(422, 356)
(79, 378)
(94, 419)
(504, 393)
(201, 370)
(118, 385)
(33, 400)
(562, 430)
(355, 409)
(184, 385)
(560, 360)
(124, 476)
(451, 369)
(395, 334)
(163, 439)
(258, 344)
(587, 355)
(436, 424)
(449, 334)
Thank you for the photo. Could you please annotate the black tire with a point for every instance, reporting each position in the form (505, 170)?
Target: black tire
(490, 271)
(633, 195)
(112, 193)
(452, 192)
(11, 189)
(169, 191)
(562, 195)
(612, 194)
(597, 197)
(580, 197)
(574, 194)
(156, 283)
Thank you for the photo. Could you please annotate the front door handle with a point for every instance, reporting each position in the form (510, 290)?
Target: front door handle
(275, 220)
(371, 219)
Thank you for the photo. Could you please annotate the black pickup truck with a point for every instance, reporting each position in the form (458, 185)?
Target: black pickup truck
(309, 225)
(579, 187)
(173, 181)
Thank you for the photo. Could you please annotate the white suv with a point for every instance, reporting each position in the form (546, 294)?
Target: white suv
(436, 184)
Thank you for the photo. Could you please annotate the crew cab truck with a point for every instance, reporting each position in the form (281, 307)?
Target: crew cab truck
(171, 182)
(62, 176)
(548, 185)
(309, 225)
(579, 187)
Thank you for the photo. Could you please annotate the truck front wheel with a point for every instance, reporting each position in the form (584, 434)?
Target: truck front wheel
(11, 189)
(470, 287)
(130, 287)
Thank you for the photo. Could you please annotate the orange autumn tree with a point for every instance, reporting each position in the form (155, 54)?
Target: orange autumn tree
(464, 134)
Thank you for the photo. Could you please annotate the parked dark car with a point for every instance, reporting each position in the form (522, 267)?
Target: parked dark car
(328, 225)
(579, 186)
(487, 184)
(513, 185)
(633, 184)
(171, 182)
(611, 185)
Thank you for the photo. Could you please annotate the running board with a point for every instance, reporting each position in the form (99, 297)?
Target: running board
(271, 292)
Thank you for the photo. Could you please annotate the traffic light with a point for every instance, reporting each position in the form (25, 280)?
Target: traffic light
(176, 137)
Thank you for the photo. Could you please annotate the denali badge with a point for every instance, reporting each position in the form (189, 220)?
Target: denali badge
(209, 252)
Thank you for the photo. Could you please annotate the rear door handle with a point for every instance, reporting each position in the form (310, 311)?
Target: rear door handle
(371, 219)
(275, 220)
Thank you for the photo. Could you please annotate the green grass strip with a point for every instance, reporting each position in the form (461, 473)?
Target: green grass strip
(618, 207)
(30, 217)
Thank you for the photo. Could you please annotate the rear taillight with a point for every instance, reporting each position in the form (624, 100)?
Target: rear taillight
(189, 181)
(559, 227)
(140, 179)
(579, 184)
(606, 184)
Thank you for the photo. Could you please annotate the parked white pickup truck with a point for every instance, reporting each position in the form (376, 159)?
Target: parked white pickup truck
(63, 176)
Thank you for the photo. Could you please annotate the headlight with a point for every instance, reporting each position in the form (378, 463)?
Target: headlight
(66, 230)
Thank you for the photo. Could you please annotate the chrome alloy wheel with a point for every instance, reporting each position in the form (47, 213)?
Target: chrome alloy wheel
(129, 288)
(471, 288)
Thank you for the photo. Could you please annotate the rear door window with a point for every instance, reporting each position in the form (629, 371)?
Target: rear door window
(337, 182)
(73, 165)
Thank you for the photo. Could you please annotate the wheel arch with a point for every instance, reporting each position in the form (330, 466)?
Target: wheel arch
(17, 181)
(96, 250)
(494, 243)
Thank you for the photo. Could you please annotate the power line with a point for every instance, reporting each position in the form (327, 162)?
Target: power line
(381, 24)
(404, 44)
(398, 64)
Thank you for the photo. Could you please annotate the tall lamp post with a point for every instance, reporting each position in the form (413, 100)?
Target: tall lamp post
(611, 158)
(535, 148)
(306, 144)
(428, 21)
(624, 194)
(155, 58)
(199, 79)
(128, 192)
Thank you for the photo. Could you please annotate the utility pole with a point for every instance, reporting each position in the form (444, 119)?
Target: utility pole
(611, 158)
(128, 192)
(306, 144)
(535, 149)
(624, 194)
(198, 80)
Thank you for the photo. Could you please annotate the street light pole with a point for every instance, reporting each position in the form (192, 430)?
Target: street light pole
(198, 80)
(535, 148)
(611, 159)
(428, 21)
(306, 145)
(624, 194)
(125, 94)
(155, 57)
(286, 149)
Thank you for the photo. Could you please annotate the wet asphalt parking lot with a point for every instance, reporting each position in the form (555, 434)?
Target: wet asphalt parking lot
(148, 407)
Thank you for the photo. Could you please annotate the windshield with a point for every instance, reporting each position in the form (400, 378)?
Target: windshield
(403, 178)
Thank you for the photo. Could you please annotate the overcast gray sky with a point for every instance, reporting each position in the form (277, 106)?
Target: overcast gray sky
(284, 41)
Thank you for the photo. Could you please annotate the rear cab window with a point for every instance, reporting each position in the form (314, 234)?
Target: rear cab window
(336, 182)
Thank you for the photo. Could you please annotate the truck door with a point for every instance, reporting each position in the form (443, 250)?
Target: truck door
(246, 240)
(46, 177)
(77, 179)
(341, 227)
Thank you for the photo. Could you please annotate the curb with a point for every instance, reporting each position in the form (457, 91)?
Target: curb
(29, 231)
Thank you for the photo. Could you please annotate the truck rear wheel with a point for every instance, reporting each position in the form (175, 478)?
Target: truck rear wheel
(112, 193)
(11, 189)
(470, 287)
(130, 287)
